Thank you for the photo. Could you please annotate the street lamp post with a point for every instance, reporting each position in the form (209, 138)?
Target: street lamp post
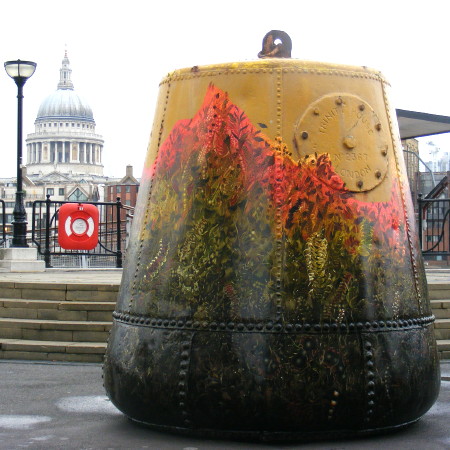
(19, 71)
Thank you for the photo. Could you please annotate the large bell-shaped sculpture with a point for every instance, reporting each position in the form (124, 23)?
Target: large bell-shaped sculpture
(274, 286)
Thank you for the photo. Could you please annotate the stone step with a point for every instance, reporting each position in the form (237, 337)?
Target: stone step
(56, 310)
(438, 291)
(52, 351)
(59, 291)
(442, 329)
(54, 330)
(441, 308)
(443, 346)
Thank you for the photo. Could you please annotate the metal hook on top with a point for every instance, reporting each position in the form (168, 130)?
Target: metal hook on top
(276, 44)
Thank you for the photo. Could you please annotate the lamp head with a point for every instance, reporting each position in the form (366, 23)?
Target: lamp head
(19, 70)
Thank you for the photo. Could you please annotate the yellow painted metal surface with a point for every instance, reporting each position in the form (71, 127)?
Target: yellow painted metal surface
(313, 107)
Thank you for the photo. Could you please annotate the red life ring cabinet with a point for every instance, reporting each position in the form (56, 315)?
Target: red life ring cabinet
(78, 226)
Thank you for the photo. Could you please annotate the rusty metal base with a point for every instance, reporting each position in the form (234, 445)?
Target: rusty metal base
(274, 436)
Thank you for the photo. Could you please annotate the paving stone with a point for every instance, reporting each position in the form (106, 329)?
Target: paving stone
(44, 294)
(27, 303)
(87, 306)
(47, 335)
(97, 296)
(19, 313)
(19, 323)
(34, 346)
(90, 336)
(42, 286)
(57, 314)
(10, 292)
(87, 347)
(11, 333)
(100, 315)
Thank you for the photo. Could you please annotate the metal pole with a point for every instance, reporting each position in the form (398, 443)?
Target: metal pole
(119, 235)
(19, 222)
(420, 211)
(47, 258)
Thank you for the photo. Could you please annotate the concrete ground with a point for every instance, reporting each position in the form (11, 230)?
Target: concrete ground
(63, 406)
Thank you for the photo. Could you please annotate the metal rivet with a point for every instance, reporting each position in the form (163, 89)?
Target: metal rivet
(378, 174)
(362, 107)
(359, 184)
(305, 135)
(339, 101)
(316, 111)
(378, 126)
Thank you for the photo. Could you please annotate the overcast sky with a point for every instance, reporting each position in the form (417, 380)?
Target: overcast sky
(120, 50)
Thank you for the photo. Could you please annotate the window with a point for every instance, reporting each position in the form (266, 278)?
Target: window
(78, 196)
(61, 191)
(128, 202)
(9, 204)
(119, 189)
(127, 188)
(50, 191)
(55, 124)
(67, 124)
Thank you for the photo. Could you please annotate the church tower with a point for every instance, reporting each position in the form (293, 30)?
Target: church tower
(64, 140)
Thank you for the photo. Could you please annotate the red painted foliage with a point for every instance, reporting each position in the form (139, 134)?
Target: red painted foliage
(307, 195)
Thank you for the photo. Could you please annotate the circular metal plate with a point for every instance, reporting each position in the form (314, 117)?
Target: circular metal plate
(79, 226)
(349, 130)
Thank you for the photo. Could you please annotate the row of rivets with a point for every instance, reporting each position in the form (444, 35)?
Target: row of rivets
(333, 404)
(405, 209)
(279, 176)
(377, 325)
(182, 380)
(212, 73)
(370, 383)
(147, 209)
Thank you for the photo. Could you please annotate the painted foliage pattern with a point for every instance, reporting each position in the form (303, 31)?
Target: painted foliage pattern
(237, 227)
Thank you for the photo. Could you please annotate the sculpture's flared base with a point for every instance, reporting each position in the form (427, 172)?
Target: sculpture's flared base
(272, 384)
(275, 436)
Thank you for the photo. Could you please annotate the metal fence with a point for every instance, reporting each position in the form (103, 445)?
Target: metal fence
(3, 223)
(434, 228)
(112, 235)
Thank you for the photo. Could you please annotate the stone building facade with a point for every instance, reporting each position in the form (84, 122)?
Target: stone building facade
(64, 154)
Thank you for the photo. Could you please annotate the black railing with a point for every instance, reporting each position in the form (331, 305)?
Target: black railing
(3, 224)
(111, 231)
(434, 227)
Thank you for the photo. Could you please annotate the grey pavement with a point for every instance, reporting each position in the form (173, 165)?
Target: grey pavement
(63, 406)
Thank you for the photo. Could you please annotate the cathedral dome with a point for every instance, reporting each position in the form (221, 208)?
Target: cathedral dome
(65, 104)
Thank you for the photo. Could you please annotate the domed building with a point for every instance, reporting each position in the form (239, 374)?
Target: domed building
(64, 140)
(64, 155)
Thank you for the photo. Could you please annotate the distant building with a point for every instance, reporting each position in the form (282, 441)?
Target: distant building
(64, 154)
(126, 188)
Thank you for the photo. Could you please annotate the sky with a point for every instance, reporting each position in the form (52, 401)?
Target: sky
(120, 50)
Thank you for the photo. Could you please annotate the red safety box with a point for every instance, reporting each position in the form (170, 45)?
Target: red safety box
(78, 226)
